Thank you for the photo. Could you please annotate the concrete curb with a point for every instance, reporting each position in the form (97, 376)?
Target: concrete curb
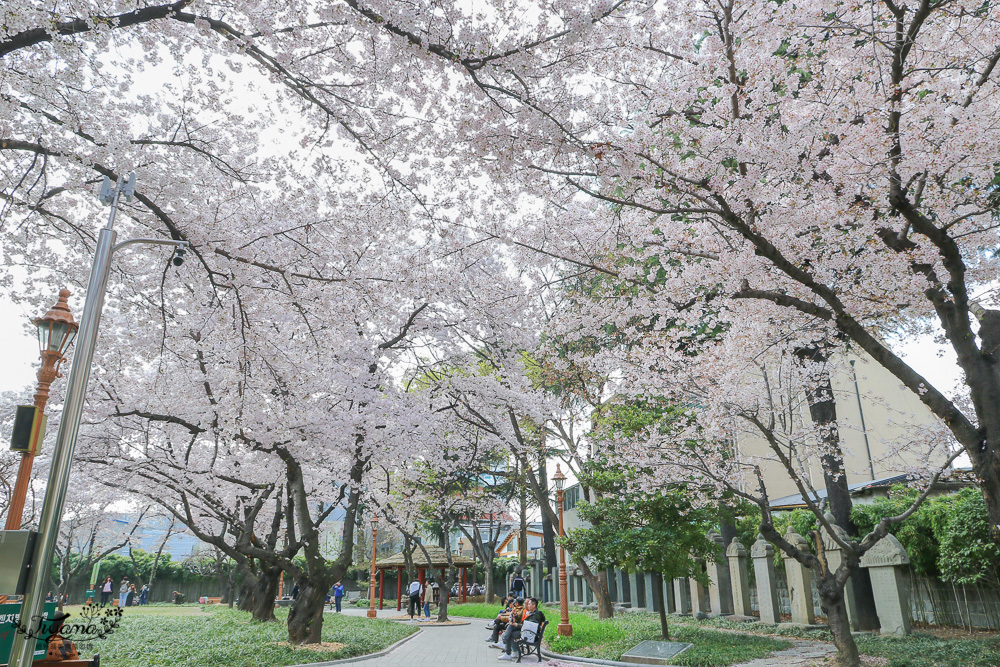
(361, 658)
(591, 661)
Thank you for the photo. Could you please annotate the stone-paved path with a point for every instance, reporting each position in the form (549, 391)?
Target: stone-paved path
(803, 653)
(465, 645)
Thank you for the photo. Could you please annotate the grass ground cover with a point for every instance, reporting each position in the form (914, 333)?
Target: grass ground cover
(594, 638)
(918, 650)
(153, 637)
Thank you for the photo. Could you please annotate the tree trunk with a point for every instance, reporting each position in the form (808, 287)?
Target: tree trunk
(446, 592)
(305, 618)
(522, 550)
(823, 412)
(259, 591)
(832, 598)
(602, 595)
(491, 595)
(989, 484)
(658, 596)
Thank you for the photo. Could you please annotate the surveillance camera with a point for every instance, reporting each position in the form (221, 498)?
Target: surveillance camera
(179, 256)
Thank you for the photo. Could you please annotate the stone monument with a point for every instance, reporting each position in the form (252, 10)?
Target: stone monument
(739, 576)
(762, 554)
(720, 588)
(682, 596)
(885, 563)
(649, 585)
(799, 581)
(699, 598)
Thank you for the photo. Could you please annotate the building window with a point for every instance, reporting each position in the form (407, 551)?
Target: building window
(572, 497)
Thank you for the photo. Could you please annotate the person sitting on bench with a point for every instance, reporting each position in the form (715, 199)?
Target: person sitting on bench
(513, 632)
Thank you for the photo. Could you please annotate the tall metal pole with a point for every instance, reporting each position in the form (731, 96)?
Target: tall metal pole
(565, 629)
(22, 651)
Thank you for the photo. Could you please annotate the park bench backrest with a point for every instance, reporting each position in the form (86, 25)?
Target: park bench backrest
(540, 633)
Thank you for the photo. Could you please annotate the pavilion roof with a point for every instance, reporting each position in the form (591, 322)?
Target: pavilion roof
(438, 559)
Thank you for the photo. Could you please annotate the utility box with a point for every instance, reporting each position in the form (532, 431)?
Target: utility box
(29, 429)
(16, 549)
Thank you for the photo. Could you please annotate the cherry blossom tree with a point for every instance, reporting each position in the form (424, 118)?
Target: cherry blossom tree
(87, 534)
(833, 162)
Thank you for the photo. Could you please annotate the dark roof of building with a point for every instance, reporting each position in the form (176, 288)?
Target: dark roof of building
(795, 501)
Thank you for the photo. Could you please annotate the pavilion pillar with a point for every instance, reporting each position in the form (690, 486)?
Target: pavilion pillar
(463, 597)
(399, 589)
(381, 586)
(422, 578)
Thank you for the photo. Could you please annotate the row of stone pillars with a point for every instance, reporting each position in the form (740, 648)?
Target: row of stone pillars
(728, 592)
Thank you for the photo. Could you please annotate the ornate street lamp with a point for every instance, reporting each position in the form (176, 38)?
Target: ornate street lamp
(371, 579)
(565, 629)
(56, 331)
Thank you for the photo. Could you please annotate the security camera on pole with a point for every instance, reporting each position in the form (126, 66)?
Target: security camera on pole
(21, 654)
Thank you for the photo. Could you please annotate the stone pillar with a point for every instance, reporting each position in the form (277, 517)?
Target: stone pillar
(682, 595)
(834, 557)
(535, 582)
(649, 587)
(699, 597)
(720, 588)
(799, 581)
(635, 589)
(621, 586)
(762, 554)
(739, 576)
(612, 585)
(884, 562)
(668, 595)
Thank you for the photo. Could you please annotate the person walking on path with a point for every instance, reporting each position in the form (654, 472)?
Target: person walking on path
(123, 592)
(338, 594)
(106, 589)
(416, 590)
(517, 585)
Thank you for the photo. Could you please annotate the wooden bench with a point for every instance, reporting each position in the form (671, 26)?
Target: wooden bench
(524, 647)
(217, 600)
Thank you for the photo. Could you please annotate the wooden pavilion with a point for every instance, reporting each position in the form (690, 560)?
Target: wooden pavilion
(439, 563)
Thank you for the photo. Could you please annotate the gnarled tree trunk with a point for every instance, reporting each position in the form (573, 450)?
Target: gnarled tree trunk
(258, 592)
(305, 618)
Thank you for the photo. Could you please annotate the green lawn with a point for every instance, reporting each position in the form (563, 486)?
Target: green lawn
(593, 638)
(154, 637)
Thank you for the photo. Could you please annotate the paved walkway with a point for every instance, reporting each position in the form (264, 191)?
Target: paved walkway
(454, 645)
(462, 645)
